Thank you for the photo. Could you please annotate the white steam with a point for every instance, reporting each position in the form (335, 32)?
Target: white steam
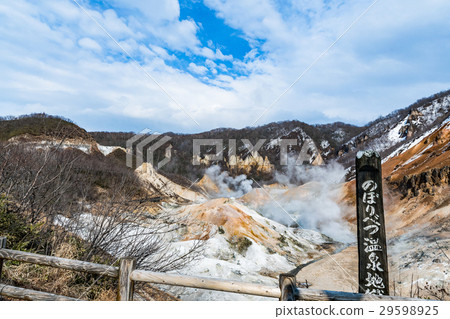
(229, 186)
(314, 204)
(293, 174)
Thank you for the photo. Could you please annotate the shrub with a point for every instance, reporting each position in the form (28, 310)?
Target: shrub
(19, 234)
(240, 244)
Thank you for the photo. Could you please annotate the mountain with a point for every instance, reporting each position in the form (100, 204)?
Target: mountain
(261, 165)
(315, 144)
(41, 125)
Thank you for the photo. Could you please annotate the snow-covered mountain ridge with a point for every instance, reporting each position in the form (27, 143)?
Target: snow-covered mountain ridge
(398, 129)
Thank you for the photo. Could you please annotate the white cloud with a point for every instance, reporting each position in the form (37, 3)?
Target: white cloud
(198, 69)
(155, 11)
(161, 52)
(221, 56)
(211, 55)
(362, 69)
(90, 44)
(210, 64)
(393, 56)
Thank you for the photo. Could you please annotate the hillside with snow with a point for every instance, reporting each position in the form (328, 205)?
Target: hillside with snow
(399, 129)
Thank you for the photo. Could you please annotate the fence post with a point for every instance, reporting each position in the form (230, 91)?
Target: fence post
(2, 245)
(288, 287)
(126, 285)
(372, 253)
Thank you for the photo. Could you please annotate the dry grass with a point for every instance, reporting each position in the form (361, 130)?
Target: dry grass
(60, 281)
(71, 283)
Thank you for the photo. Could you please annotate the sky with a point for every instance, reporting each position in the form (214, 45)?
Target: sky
(191, 66)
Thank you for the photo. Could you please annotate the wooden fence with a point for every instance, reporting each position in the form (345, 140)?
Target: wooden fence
(127, 275)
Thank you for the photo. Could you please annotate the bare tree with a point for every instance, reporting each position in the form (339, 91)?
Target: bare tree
(69, 193)
(120, 226)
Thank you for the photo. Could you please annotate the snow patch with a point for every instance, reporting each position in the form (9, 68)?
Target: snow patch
(106, 150)
(324, 144)
(414, 142)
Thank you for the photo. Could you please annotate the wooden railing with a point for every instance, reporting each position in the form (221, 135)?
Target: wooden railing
(127, 275)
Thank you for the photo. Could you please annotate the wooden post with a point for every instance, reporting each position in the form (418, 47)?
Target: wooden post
(372, 253)
(126, 285)
(2, 245)
(288, 287)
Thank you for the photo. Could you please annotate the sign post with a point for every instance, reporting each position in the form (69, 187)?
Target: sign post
(372, 253)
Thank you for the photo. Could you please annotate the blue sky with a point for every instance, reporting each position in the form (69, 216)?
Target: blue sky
(190, 66)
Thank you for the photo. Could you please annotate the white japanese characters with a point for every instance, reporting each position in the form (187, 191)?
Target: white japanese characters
(373, 282)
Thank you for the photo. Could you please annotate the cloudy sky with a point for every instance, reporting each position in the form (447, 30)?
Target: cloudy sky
(190, 66)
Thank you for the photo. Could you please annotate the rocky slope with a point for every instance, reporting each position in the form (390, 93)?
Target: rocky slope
(243, 245)
(157, 183)
(422, 164)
